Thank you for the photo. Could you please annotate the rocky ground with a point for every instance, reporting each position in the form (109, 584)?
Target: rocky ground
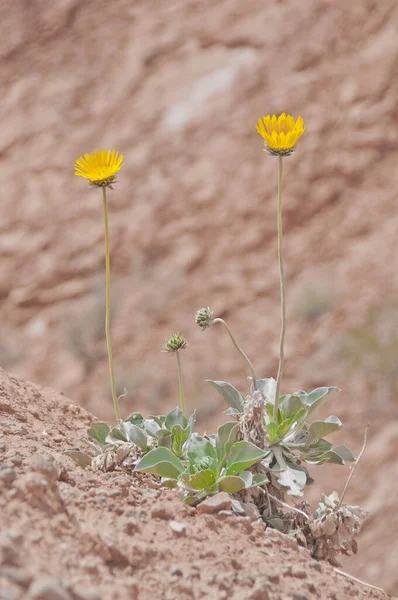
(74, 534)
(177, 87)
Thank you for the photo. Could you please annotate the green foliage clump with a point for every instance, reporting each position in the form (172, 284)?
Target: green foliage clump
(212, 464)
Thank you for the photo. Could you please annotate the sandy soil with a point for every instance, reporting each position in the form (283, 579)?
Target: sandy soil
(178, 86)
(74, 534)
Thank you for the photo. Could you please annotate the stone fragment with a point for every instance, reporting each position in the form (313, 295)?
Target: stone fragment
(9, 554)
(224, 514)
(161, 511)
(179, 528)
(129, 524)
(133, 586)
(176, 571)
(252, 511)
(16, 460)
(299, 572)
(316, 565)
(185, 588)
(7, 475)
(48, 589)
(16, 575)
(89, 565)
(213, 504)
(82, 592)
(44, 463)
(260, 592)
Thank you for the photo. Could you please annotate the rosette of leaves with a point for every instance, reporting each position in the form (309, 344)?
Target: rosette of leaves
(171, 431)
(290, 439)
(213, 464)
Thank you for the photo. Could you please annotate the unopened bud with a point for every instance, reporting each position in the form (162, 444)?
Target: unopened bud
(174, 343)
(204, 317)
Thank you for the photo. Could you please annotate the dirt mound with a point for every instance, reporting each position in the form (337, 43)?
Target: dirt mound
(74, 534)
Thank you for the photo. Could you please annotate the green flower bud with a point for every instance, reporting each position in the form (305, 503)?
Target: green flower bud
(201, 464)
(174, 343)
(203, 317)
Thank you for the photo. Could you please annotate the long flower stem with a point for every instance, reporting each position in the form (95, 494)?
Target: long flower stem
(108, 306)
(283, 300)
(182, 398)
(239, 349)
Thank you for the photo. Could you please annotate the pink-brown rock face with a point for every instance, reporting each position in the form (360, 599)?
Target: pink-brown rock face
(178, 87)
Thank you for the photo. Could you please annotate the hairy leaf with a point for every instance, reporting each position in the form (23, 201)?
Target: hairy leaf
(290, 405)
(151, 427)
(82, 460)
(230, 394)
(135, 434)
(136, 419)
(319, 429)
(345, 453)
(247, 477)
(200, 447)
(116, 436)
(272, 430)
(242, 456)
(226, 434)
(200, 480)
(259, 479)
(329, 456)
(231, 484)
(98, 431)
(318, 396)
(162, 462)
(175, 417)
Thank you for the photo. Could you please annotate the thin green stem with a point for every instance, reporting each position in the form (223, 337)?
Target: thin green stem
(283, 300)
(239, 349)
(182, 398)
(108, 306)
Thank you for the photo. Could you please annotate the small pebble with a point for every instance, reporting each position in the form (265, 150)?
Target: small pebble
(89, 565)
(161, 511)
(84, 593)
(179, 528)
(129, 524)
(299, 573)
(48, 589)
(7, 475)
(213, 504)
(19, 576)
(260, 592)
(314, 564)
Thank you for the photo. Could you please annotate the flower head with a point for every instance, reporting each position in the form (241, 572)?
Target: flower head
(174, 343)
(203, 317)
(280, 134)
(100, 167)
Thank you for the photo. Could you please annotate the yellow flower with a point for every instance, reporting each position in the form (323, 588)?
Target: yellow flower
(100, 167)
(280, 134)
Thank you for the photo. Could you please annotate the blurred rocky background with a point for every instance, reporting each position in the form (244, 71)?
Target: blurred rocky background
(177, 87)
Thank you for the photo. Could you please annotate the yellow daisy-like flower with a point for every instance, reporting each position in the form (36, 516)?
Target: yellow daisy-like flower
(280, 134)
(100, 167)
